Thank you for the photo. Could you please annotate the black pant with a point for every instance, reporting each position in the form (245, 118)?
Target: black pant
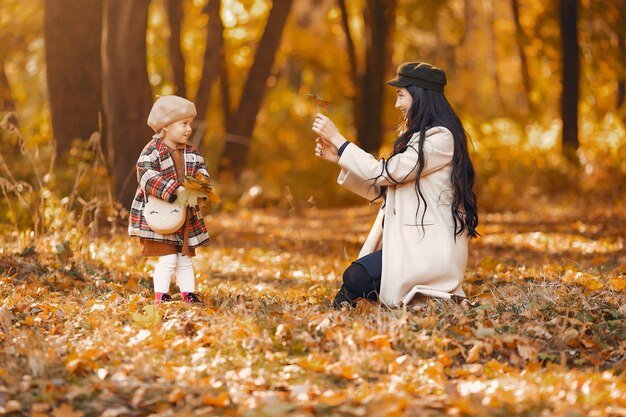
(357, 283)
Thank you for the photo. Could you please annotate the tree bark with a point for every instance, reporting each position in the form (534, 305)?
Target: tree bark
(621, 82)
(175, 17)
(570, 75)
(493, 58)
(520, 39)
(349, 39)
(621, 45)
(239, 132)
(73, 33)
(379, 18)
(7, 103)
(369, 79)
(210, 68)
(470, 50)
(128, 95)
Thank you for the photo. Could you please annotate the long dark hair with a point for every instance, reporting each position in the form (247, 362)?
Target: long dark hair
(430, 109)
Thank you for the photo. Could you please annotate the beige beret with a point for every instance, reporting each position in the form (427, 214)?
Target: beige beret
(169, 109)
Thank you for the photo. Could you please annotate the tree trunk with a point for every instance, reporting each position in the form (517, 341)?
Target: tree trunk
(570, 75)
(128, 95)
(369, 79)
(210, 68)
(520, 39)
(239, 132)
(379, 18)
(621, 82)
(493, 58)
(73, 34)
(621, 45)
(6, 97)
(175, 17)
(349, 39)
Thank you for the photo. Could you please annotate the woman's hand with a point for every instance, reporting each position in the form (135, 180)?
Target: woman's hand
(326, 150)
(325, 127)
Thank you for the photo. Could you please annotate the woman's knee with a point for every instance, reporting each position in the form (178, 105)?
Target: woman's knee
(355, 277)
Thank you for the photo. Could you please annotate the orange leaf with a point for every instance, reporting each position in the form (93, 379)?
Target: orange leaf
(315, 363)
(66, 410)
(345, 371)
(323, 104)
(444, 359)
(176, 395)
(474, 353)
(527, 352)
(220, 400)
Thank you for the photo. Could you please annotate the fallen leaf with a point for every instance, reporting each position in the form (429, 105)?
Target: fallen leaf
(66, 410)
(474, 353)
(220, 400)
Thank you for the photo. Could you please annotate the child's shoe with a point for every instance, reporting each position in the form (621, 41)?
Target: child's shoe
(163, 297)
(191, 298)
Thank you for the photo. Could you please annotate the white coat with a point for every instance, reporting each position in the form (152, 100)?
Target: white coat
(417, 261)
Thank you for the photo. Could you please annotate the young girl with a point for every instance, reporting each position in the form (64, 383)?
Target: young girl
(417, 246)
(161, 170)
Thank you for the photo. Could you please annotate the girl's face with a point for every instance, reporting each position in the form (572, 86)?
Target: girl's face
(403, 101)
(177, 132)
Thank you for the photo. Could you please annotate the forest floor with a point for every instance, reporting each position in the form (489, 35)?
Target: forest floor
(543, 333)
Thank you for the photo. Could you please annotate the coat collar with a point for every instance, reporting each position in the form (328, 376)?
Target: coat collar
(164, 150)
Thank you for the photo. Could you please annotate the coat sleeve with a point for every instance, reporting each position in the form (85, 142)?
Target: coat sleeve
(150, 178)
(403, 167)
(359, 186)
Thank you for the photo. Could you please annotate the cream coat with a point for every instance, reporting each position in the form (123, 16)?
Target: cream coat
(417, 261)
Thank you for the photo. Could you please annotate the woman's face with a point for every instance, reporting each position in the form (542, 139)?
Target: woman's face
(403, 101)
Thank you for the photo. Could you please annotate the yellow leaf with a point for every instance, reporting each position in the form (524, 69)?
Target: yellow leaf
(618, 284)
(150, 317)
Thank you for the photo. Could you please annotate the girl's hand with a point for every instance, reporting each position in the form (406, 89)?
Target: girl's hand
(189, 197)
(325, 127)
(326, 150)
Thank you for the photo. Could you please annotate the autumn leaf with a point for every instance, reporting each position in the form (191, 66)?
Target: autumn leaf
(322, 104)
(201, 183)
(316, 363)
(618, 284)
(474, 353)
(149, 318)
(220, 400)
(66, 410)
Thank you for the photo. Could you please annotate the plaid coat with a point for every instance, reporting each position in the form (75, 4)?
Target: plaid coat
(156, 175)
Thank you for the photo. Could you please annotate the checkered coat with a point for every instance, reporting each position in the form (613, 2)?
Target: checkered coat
(156, 176)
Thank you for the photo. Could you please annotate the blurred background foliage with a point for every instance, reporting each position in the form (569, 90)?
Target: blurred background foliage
(504, 61)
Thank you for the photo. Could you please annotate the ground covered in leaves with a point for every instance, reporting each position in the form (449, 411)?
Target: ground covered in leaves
(543, 334)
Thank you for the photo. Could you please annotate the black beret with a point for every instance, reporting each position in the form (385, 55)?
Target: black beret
(419, 74)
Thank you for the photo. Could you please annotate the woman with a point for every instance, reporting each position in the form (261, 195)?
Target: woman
(417, 246)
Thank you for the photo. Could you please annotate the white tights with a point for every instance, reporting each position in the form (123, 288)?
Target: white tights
(178, 264)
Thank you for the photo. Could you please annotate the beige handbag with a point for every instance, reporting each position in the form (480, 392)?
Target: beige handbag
(163, 217)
